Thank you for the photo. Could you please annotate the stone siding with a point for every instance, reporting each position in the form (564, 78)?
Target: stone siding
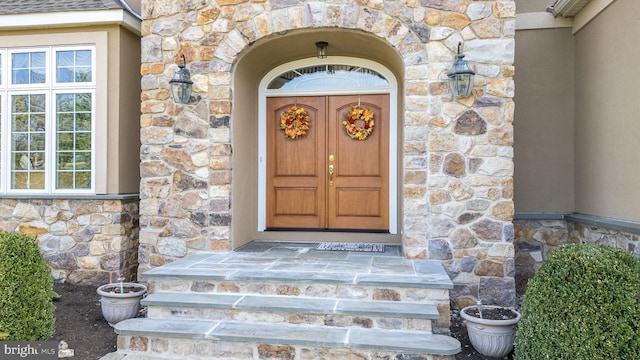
(457, 155)
(84, 241)
(535, 239)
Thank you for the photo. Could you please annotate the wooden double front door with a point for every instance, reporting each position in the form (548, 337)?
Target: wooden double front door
(327, 180)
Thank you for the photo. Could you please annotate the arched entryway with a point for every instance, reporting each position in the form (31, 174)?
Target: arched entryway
(249, 135)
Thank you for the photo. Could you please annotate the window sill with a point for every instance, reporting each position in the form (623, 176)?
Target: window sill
(71, 196)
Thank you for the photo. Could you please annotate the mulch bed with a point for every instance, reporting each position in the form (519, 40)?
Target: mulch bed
(79, 322)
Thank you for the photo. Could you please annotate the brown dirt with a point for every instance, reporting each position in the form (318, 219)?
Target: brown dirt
(492, 313)
(79, 322)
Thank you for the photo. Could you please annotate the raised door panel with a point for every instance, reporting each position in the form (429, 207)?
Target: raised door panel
(358, 199)
(296, 188)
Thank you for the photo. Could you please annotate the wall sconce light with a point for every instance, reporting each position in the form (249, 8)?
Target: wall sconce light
(460, 77)
(321, 47)
(181, 84)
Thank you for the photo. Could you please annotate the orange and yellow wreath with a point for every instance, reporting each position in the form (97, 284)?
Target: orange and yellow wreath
(295, 122)
(359, 115)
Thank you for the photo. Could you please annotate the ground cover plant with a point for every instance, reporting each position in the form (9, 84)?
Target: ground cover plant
(583, 304)
(26, 289)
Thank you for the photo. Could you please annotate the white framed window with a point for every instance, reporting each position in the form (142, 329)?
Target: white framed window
(47, 120)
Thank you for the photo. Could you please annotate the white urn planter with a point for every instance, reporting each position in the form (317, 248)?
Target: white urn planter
(492, 335)
(120, 301)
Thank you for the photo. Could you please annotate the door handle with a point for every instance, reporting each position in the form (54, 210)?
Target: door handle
(331, 171)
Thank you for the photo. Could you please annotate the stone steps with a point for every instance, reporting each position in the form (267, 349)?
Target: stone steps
(197, 339)
(429, 289)
(295, 310)
(292, 302)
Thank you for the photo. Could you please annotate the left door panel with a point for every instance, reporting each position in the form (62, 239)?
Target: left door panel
(296, 181)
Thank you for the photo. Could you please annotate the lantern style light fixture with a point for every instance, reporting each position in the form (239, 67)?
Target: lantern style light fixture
(321, 48)
(181, 84)
(460, 77)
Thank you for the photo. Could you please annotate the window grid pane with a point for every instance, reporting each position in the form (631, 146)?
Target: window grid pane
(73, 141)
(28, 141)
(73, 66)
(28, 68)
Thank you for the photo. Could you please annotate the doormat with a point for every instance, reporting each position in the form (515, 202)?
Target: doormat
(332, 246)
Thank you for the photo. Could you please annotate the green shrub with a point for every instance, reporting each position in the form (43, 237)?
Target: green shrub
(26, 310)
(583, 304)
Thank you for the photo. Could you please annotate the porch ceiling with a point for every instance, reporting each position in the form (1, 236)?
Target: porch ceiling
(273, 51)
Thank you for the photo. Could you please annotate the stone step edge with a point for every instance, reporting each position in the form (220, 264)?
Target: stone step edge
(306, 305)
(438, 280)
(288, 334)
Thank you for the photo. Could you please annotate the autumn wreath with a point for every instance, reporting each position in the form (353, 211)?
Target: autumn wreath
(359, 115)
(295, 122)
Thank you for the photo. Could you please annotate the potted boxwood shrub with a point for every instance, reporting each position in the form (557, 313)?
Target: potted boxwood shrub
(121, 300)
(491, 329)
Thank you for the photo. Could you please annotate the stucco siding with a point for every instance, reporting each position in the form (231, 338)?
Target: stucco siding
(607, 126)
(530, 6)
(129, 113)
(544, 121)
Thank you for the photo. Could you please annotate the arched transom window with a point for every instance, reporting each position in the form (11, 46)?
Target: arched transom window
(329, 76)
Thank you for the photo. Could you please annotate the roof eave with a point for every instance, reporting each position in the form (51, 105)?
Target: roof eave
(567, 8)
(71, 19)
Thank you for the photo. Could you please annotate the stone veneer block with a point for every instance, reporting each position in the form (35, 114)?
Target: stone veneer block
(289, 304)
(322, 255)
(297, 266)
(153, 327)
(192, 299)
(404, 281)
(386, 308)
(275, 333)
(430, 267)
(189, 273)
(310, 277)
(403, 341)
(391, 265)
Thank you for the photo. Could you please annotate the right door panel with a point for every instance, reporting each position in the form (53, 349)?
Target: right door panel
(358, 198)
